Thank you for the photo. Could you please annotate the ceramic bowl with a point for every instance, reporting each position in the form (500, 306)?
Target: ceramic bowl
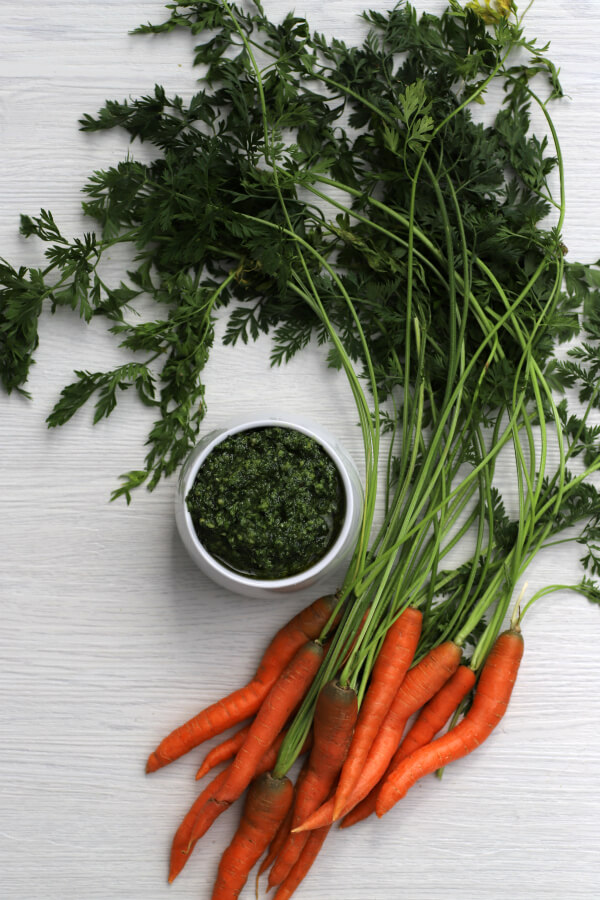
(338, 554)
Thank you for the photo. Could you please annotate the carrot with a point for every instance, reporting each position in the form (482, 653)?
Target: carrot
(436, 713)
(282, 832)
(333, 723)
(222, 752)
(393, 661)
(305, 860)
(181, 840)
(210, 810)
(266, 806)
(307, 625)
(420, 684)
(423, 682)
(264, 731)
(283, 697)
(489, 705)
(276, 844)
(430, 720)
(369, 777)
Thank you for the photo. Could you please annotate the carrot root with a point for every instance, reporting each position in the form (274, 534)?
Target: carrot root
(431, 719)
(283, 697)
(222, 752)
(180, 847)
(302, 866)
(491, 699)
(267, 804)
(419, 685)
(333, 725)
(307, 625)
(391, 666)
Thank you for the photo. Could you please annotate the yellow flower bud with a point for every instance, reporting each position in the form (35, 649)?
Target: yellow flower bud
(491, 14)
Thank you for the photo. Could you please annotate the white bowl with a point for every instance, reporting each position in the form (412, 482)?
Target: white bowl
(335, 557)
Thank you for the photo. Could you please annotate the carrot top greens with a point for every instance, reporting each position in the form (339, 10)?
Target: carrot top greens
(348, 193)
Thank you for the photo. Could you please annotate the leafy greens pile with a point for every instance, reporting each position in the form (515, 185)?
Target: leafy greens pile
(347, 192)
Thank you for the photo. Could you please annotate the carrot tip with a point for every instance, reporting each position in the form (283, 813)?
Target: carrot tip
(153, 763)
(338, 810)
(384, 804)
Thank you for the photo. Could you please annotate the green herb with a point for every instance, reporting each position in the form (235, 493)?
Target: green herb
(267, 502)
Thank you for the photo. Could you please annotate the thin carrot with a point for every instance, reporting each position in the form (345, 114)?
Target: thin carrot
(222, 752)
(423, 682)
(436, 713)
(276, 844)
(431, 719)
(307, 625)
(302, 866)
(266, 806)
(283, 697)
(491, 699)
(209, 811)
(393, 661)
(264, 732)
(420, 684)
(283, 830)
(181, 840)
(333, 724)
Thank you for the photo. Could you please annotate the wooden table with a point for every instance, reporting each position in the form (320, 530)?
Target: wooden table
(109, 636)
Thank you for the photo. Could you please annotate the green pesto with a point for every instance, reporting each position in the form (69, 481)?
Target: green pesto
(267, 502)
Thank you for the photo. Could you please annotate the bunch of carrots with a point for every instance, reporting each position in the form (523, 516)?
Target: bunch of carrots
(358, 759)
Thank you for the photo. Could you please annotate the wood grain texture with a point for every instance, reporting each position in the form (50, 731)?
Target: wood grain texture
(109, 636)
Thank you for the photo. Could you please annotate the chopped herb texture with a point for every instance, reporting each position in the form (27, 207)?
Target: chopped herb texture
(267, 502)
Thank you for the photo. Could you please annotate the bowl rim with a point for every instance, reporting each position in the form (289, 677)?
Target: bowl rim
(262, 420)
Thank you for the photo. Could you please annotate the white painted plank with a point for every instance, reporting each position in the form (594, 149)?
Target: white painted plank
(109, 636)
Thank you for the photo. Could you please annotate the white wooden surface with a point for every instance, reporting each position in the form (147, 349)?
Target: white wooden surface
(109, 636)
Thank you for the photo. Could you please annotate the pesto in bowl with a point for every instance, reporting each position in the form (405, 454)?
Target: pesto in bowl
(267, 502)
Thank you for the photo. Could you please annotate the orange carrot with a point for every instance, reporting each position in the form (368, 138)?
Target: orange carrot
(307, 625)
(436, 713)
(489, 705)
(283, 697)
(222, 752)
(430, 720)
(423, 682)
(333, 723)
(210, 810)
(205, 811)
(420, 684)
(305, 860)
(266, 806)
(181, 840)
(280, 701)
(393, 661)
(276, 844)
(283, 830)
